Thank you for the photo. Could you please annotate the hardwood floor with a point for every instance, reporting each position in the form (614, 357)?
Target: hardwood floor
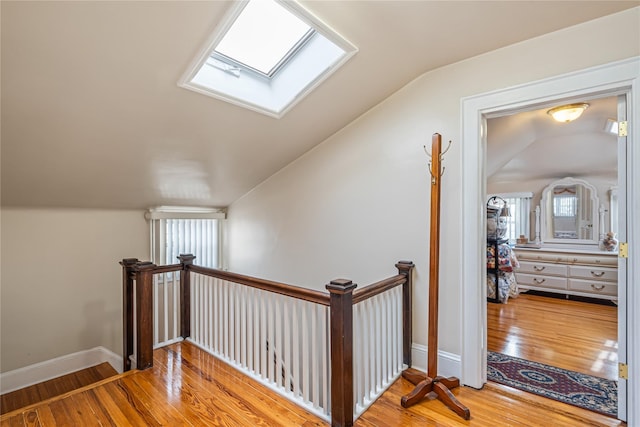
(187, 386)
(55, 387)
(573, 335)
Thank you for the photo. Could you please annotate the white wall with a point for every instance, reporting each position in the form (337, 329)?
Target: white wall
(61, 282)
(359, 202)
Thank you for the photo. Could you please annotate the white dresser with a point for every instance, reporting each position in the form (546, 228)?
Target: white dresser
(584, 273)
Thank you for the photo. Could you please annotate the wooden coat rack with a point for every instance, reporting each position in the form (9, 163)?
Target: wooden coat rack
(432, 384)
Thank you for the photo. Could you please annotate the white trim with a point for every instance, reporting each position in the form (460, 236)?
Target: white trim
(449, 364)
(516, 195)
(610, 79)
(179, 212)
(49, 369)
(168, 342)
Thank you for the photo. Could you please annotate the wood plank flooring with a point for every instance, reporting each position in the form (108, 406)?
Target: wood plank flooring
(55, 387)
(573, 335)
(187, 386)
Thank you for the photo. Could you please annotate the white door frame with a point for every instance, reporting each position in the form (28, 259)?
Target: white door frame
(621, 77)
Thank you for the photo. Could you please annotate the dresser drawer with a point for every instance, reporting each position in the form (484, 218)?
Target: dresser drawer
(594, 273)
(541, 281)
(604, 260)
(542, 268)
(593, 287)
(542, 256)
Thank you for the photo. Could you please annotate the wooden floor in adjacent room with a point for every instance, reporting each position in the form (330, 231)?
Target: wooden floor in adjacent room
(574, 335)
(187, 386)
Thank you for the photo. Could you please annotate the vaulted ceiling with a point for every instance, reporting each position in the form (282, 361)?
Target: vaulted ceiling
(92, 115)
(531, 146)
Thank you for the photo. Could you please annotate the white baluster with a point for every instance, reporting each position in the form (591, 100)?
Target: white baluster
(250, 296)
(325, 334)
(296, 348)
(286, 355)
(305, 353)
(314, 354)
(175, 288)
(264, 373)
(277, 341)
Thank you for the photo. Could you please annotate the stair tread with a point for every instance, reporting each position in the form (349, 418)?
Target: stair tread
(37, 393)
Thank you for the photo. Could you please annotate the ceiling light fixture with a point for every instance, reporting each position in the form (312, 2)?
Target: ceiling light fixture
(567, 113)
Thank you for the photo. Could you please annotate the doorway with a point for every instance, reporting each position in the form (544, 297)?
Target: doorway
(612, 79)
(525, 152)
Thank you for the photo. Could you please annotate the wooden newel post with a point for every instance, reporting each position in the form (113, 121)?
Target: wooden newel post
(127, 311)
(341, 318)
(406, 268)
(185, 294)
(144, 314)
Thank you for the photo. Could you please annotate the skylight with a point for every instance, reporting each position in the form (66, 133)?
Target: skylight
(269, 26)
(266, 56)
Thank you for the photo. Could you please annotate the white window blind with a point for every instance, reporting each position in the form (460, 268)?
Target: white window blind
(519, 223)
(564, 205)
(175, 232)
(191, 236)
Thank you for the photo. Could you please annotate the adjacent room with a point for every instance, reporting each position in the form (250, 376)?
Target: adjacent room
(557, 251)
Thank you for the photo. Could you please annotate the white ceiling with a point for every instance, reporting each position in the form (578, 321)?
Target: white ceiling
(92, 115)
(531, 146)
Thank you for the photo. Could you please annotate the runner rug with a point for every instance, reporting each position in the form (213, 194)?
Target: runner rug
(592, 393)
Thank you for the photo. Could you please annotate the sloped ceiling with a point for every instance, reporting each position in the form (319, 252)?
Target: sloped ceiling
(531, 146)
(92, 115)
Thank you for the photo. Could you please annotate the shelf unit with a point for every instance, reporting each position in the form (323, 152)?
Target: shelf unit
(495, 270)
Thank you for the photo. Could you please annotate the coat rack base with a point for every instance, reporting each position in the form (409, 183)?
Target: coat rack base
(438, 388)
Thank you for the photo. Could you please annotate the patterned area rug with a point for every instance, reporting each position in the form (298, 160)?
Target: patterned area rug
(592, 393)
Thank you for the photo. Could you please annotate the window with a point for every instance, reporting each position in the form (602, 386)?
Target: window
(519, 223)
(565, 205)
(266, 56)
(278, 37)
(185, 231)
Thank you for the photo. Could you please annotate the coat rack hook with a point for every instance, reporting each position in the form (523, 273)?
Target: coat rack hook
(446, 149)
(427, 152)
(433, 177)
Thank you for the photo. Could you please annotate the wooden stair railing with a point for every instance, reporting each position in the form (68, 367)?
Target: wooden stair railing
(341, 297)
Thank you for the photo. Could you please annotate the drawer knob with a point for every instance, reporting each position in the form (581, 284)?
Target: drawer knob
(540, 281)
(597, 287)
(597, 274)
(538, 268)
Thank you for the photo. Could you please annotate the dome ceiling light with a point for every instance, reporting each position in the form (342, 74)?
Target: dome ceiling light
(567, 113)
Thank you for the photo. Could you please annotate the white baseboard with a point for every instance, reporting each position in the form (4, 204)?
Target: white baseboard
(449, 364)
(49, 369)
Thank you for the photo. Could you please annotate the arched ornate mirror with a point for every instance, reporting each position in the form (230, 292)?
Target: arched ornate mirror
(569, 212)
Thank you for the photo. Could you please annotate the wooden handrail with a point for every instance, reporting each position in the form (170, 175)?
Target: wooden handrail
(378, 288)
(266, 285)
(159, 269)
